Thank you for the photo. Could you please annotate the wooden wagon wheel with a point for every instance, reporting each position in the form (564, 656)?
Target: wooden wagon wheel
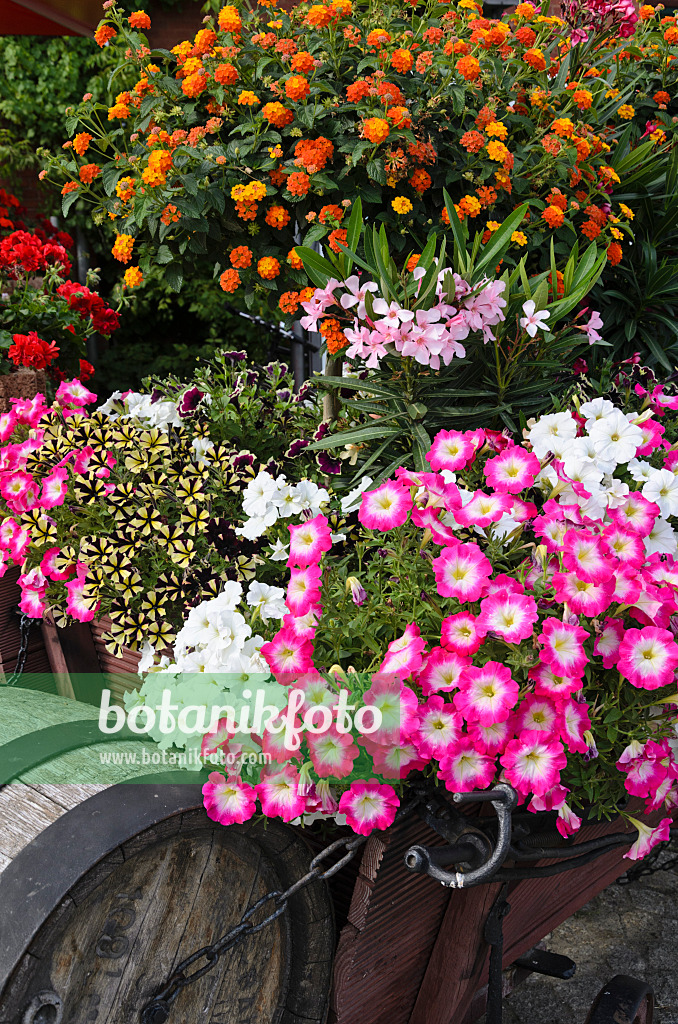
(99, 906)
(623, 1000)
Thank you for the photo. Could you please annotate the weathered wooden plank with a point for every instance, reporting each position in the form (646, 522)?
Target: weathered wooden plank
(57, 660)
(67, 795)
(24, 814)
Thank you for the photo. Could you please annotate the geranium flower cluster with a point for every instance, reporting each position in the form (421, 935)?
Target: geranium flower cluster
(373, 328)
(526, 594)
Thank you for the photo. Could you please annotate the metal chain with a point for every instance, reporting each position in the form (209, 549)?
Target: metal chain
(651, 864)
(157, 1011)
(24, 632)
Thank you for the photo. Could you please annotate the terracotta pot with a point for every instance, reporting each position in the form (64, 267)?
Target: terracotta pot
(21, 383)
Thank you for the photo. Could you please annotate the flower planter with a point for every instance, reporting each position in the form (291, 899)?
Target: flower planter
(22, 383)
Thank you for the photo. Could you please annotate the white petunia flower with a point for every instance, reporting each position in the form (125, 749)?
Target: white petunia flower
(639, 470)
(615, 438)
(583, 448)
(202, 446)
(279, 552)
(661, 539)
(310, 496)
(597, 409)
(269, 601)
(662, 489)
(257, 526)
(258, 495)
(552, 430)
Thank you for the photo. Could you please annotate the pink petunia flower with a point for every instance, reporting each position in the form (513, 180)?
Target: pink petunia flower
(563, 647)
(462, 633)
(581, 596)
(608, 641)
(280, 794)
(438, 729)
(288, 655)
(512, 471)
(635, 513)
(536, 718)
(463, 768)
(405, 654)
(533, 766)
(648, 837)
(585, 555)
(461, 571)
(79, 604)
(625, 545)
(369, 805)
(511, 616)
(397, 704)
(483, 509)
(486, 694)
(228, 800)
(490, 739)
(332, 753)
(54, 488)
(442, 671)
(450, 450)
(548, 684)
(575, 722)
(648, 657)
(386, 507)
(303, 590)
(309, 540)
(394, 760)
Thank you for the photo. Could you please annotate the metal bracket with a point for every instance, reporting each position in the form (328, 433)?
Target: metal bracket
(469, 845)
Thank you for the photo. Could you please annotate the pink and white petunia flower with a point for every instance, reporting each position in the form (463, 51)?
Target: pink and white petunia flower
(309, 541)
(405, 654)
(228, 800)
(648, 837)
(490, 739)
(429, 519)
(585, 555)
(486, 694)
(288, 655)
(280, 793)
(608, 641)
(624, 545)
(548, 684)
(442, 671)
(54, 488)
(636, 514)
(332, 753)
(464, 768)
(581, 596)
(450, 450)
(394, 760)
(511, 616)
(368, 806)
(575, 722)
(483, 509)
(462, 633)
(438, 729)
(563, 647)
(79, 603)
(512, 471)
(303, 590)
(536, 718)
(385, 508)
(462, 572)
(533, 766)
(648, 657)
(397, 704)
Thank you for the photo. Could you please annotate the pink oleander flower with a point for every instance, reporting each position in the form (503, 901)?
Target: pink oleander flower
(386, 507)
(288, 655)
(450, 450)
(584, 555)
(303, 590)
(608, 641)
(280, 794)
(483, 509)
(462, 633)
(463, 768)
(405, 654)
(648, 657)
(486, 694)
(563, 647)
(54, 488)
(228, 800)
(574, 724)
(548, 684)
(533, 766)
(635, 513)
(439, 728)
(512, 616)
(536, 718)
(441, 671)
(309, 540)
(462, 572)
(512, 471)
(332, 753)
(581, 596)
(369, 805)
(648, 837)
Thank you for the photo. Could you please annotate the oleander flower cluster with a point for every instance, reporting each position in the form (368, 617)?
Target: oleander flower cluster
(510, 612)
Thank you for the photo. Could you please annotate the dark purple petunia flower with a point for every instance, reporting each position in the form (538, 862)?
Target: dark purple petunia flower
(327, 464)
(189, 402)
(296, 448)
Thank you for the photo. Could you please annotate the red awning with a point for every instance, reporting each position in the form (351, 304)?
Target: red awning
(49, 17)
